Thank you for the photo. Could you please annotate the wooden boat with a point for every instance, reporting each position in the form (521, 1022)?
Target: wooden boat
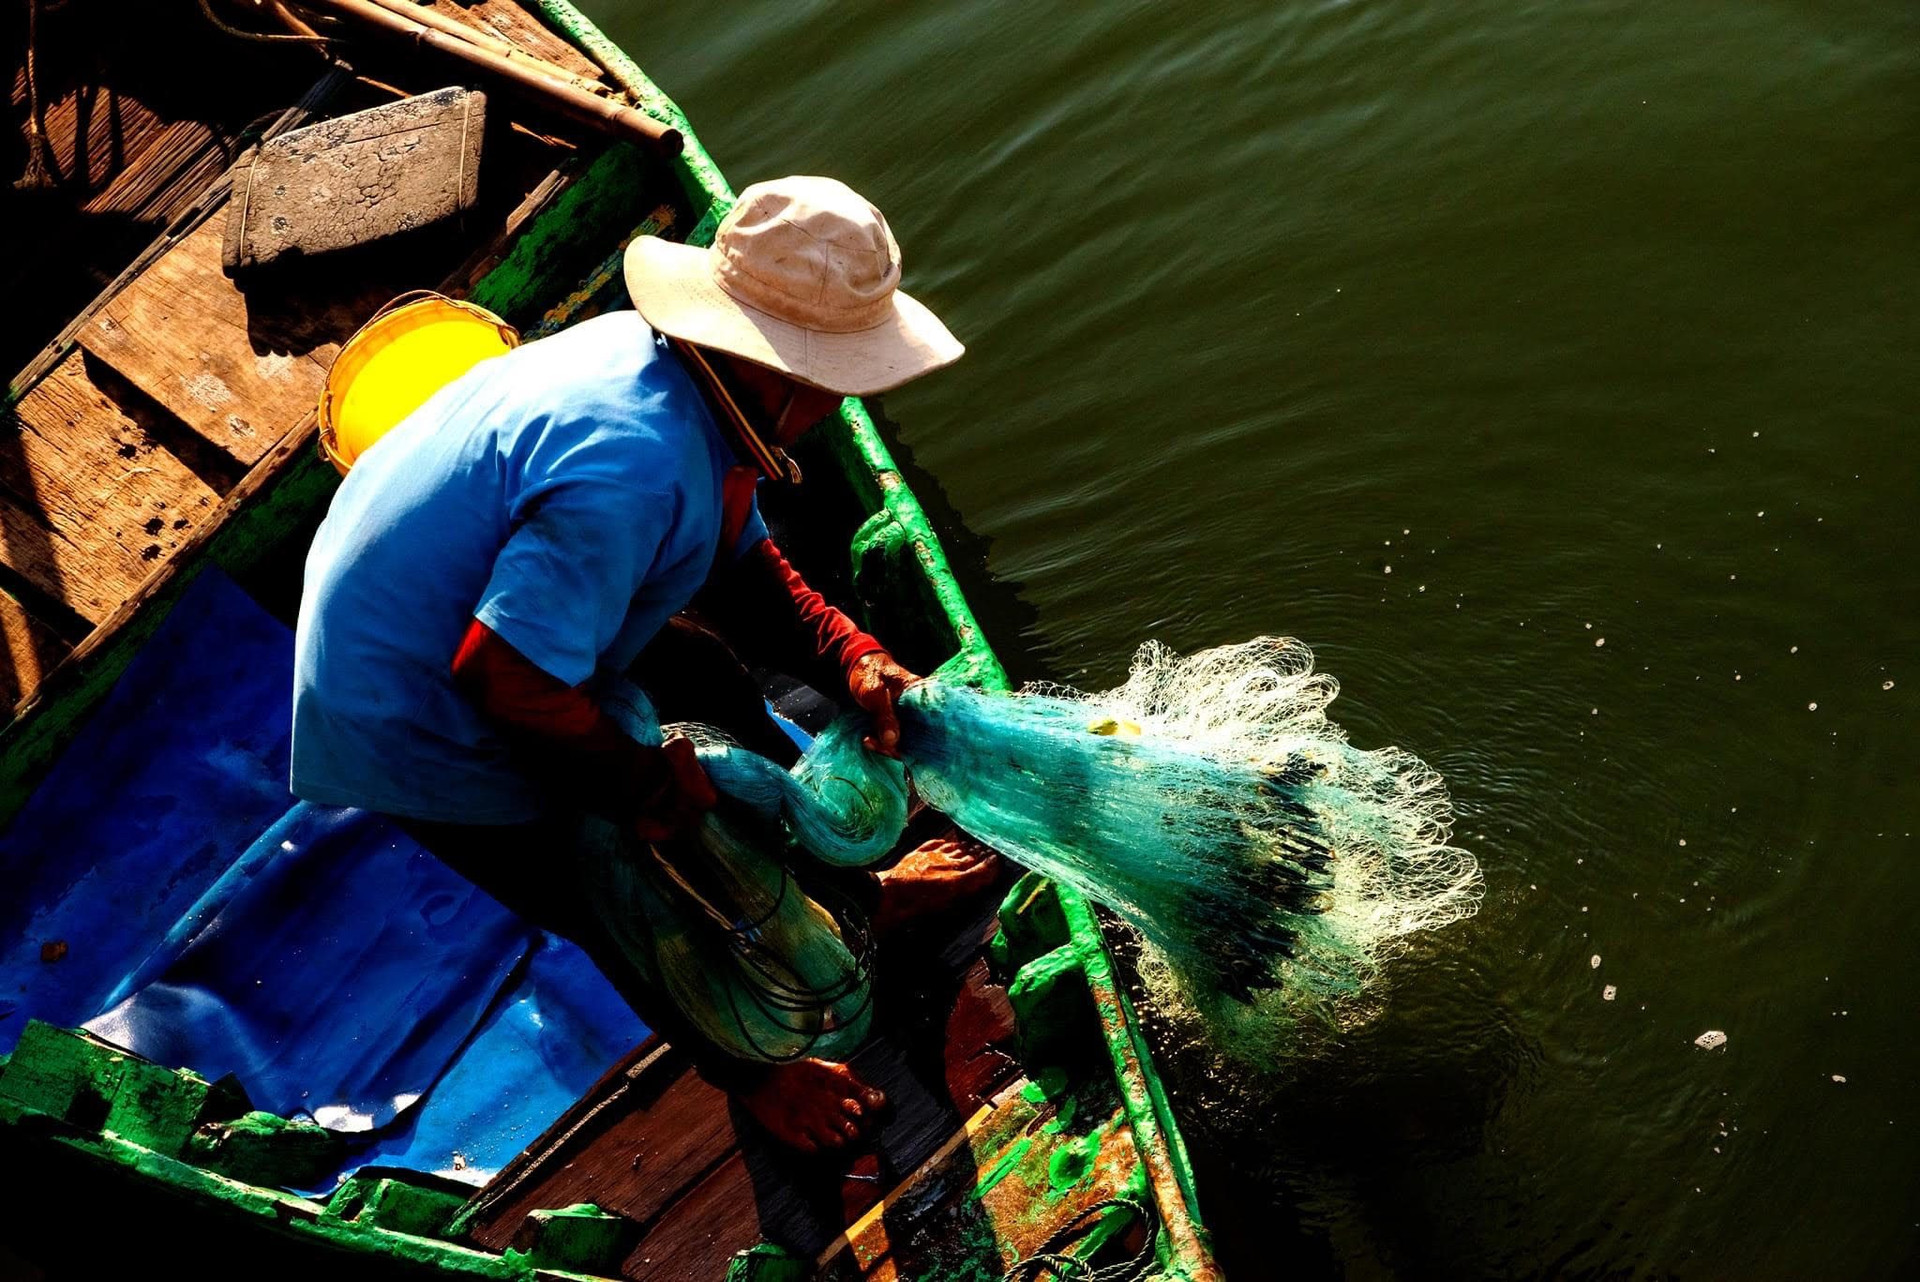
(168, 431)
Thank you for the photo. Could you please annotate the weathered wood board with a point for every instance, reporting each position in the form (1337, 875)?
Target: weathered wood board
(30, 650)
(508, 21)
(165, 177)
(355, 179)
(182, 333)
(90, 502)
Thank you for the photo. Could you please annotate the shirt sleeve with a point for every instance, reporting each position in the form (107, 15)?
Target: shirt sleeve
(769, 613)
(579, 552)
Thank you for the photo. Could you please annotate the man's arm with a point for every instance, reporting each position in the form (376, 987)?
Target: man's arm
(581, 547)
(565, 739)
(768, 612)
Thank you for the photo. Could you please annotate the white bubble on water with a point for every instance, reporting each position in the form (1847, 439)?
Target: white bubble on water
(1886, 685)
(1813, 707)
(1599, 642)
(1593, 963)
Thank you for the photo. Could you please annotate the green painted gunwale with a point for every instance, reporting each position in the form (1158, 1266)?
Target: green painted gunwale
(899, 569)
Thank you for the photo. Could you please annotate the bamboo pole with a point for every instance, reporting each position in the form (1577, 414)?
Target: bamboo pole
(431, 17)
(607, 114)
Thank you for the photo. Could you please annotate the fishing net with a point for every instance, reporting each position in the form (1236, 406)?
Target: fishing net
(1208, 802)
(1211, 804)
(766, 968)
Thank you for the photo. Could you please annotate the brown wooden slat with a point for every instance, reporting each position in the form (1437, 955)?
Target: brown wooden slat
(96, 131)
(183, 334)
(90, 504)
(707, 1228)
(31, 650)
(185, 153)
(675, 1130)
(515, 25)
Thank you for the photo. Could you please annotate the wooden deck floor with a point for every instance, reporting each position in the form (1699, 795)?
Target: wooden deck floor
(973, 1166)
(656, 1144)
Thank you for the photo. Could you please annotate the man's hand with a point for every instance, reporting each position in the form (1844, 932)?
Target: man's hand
(688, 794)
(875, 681)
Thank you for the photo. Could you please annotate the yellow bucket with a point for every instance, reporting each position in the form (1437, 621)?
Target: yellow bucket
(413, 347)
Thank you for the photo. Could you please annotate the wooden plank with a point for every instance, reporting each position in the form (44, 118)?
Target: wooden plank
(186, 336)
(30, 651)
(669, 1128)
(157, 183)
(188, 204)
(92, 502)
(707, 1228)
(511, 23)
(96, 131)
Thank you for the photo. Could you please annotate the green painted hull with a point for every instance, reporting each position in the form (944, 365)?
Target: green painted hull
(1051, 942)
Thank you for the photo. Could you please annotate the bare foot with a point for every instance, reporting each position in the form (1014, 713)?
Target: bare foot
(814, 1106)
(933, 875)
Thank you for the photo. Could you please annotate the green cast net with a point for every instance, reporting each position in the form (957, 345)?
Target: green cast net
(1208, 802)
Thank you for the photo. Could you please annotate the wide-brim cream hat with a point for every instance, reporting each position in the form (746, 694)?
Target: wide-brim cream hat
(804, 278)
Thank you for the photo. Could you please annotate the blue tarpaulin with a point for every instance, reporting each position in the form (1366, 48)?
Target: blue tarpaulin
(318, 954)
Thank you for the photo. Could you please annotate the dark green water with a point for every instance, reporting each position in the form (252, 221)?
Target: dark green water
(1584, 321)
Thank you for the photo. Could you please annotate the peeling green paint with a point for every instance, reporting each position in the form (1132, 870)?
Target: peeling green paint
(262, 1148)
(768, 1263)
(580, 1237)
(1012, 1158)
(1071, 1162)
(396, 1202)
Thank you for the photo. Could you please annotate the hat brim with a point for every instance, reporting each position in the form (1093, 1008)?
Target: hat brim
(673, 288)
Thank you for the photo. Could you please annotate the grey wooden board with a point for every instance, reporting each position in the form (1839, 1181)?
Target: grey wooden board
(356, 179)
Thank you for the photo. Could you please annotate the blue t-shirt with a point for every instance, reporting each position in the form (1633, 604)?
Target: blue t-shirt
(568, 495)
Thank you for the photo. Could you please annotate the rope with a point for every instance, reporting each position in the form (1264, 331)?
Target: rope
(39, 175)
(772, 987)
(772, 461)
(262, 37)
(1053, 1256)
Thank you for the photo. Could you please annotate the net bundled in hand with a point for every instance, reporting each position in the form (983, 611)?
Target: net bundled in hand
(765, 967)
(1208, 801)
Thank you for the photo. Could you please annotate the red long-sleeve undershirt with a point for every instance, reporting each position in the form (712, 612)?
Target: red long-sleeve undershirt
(760, 602)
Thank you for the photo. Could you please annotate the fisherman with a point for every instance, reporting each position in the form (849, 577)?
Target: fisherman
(541, 526)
